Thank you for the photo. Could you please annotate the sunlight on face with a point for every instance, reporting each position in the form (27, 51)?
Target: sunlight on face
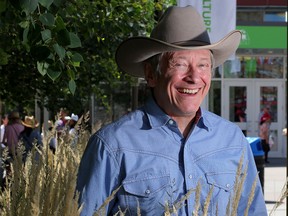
(184, 81)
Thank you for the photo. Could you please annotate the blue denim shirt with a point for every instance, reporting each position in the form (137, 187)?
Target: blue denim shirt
(145, 153)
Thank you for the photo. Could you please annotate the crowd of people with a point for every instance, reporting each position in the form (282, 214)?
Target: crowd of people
(24, 132)
(64, 125)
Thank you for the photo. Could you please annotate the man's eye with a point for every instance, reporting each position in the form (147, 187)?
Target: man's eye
(180, 66)
(203, 66)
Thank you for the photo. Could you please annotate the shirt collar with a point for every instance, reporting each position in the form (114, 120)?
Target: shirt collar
(155, 114)
(157, 117)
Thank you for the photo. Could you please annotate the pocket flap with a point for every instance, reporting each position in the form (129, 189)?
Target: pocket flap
(223, 180)
(146, 186)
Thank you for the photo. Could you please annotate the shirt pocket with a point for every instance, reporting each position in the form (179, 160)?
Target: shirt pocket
(222, 180)
(222, 184)
(148, 194)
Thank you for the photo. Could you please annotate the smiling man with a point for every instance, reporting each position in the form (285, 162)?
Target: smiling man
(157, 155)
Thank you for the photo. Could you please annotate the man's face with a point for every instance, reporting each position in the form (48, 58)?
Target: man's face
(184, 82)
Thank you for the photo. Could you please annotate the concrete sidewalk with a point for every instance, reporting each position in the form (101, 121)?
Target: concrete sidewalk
(274, 181)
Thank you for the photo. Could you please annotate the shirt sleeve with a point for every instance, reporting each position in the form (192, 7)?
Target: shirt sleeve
(258, 206)
(97, 177)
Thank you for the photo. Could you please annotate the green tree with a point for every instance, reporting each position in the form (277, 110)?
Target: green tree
(49, 46)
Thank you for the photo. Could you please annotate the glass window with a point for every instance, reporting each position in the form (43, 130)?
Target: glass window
(238, 103)
(261, 16)
(254, 67)
(270, 67)
(268, 99)
(275, 17)
(244, 16)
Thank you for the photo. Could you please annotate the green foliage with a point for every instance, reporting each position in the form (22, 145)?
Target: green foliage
(50, 47)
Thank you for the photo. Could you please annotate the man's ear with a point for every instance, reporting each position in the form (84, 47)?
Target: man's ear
(150, 76)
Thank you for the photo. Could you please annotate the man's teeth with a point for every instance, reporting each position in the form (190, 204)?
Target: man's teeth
(189, 91)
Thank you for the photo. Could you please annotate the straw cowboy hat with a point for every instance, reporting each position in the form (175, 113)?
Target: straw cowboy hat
(179, 28)
(30, 121)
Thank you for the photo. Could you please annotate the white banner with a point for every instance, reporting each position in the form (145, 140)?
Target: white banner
(219, 16)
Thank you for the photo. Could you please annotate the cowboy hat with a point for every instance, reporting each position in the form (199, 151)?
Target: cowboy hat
(179, 28)
(30, 121)
(72, 117)
(14, 115)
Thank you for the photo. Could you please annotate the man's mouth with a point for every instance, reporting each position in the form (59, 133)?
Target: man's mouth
(188, 91)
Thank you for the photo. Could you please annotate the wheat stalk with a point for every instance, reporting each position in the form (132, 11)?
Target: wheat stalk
(283, 195)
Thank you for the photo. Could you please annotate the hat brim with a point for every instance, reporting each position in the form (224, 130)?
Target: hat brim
(131, 54)
(30, 126)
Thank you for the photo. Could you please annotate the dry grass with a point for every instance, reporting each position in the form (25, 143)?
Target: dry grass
(283, 196)
(46, 186)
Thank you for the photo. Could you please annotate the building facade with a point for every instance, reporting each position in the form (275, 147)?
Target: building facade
(257, 76)
(254, 79)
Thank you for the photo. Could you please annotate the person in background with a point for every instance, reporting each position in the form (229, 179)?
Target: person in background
(154, 157)
(59, 131)
(2, 146)
(5, 121)
(264, 132)
(31, 136)
(12, 136)
(265, 111)
(13, 132)
(63, 116)
(73, 134)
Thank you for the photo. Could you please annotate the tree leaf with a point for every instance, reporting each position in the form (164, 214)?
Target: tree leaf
(72, 86)
(3, 57)
(71, 74)
(25, 35)
(59, 24)
(74, 41)
(60, 51)
(34, 35)
(46, 3)
(58, 3)
(29, 6)
(3, 6)
(42, 67)
(46, 34)
(63, 37)
(53, 74)
(76, 59)
(47, 19)
(24, 24)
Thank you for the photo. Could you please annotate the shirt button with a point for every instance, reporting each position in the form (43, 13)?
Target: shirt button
(190, 176)
(227, 185)
(171, 122)
(147, 192)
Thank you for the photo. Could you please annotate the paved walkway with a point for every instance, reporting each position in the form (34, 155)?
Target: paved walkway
(274, 181)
